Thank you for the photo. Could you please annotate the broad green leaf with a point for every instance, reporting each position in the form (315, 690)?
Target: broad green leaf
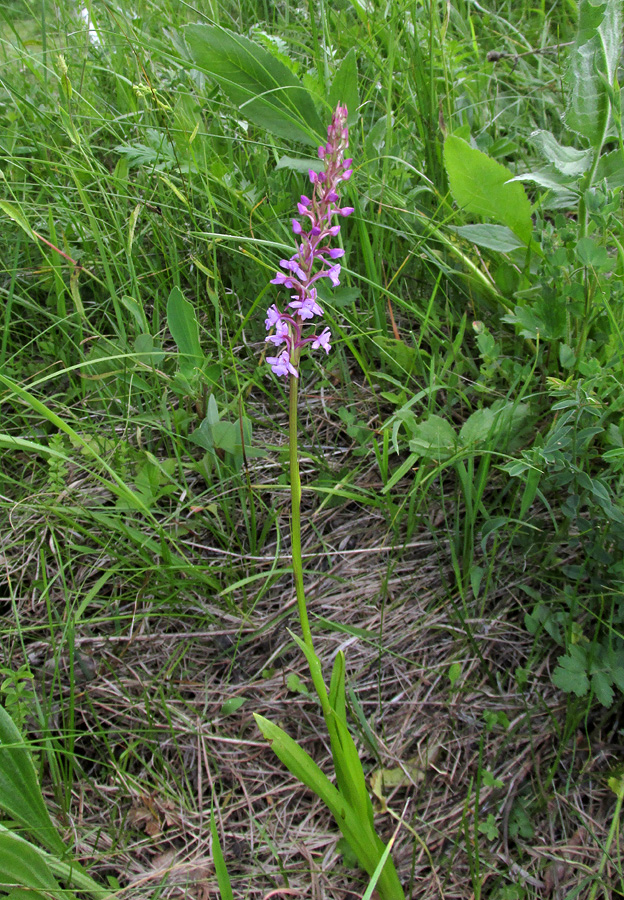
(22, 865)
(571, 673)
(435, 438)
(261, 86)
(567, 160)
(344, 89)
(493, 237)
(481, 186)
(592, 67)
(184, 329)
(20, 794)
(602, 688)
(223, 876)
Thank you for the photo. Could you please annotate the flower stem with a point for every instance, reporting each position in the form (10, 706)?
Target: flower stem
(295, 522)
(297, 563)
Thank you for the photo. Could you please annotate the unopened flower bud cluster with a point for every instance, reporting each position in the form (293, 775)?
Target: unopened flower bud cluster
(301, 271)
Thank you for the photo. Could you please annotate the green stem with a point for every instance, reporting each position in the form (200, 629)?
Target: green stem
(295, 522)
(295, 538)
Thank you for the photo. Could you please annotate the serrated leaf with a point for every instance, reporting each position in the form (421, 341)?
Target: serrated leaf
(261, 86)
(483, 187)
(571, 673)
(592, 65)
(601, 686)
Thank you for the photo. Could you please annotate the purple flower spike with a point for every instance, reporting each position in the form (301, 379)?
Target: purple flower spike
(313, 258)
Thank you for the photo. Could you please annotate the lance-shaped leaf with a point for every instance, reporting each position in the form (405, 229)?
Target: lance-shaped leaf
(264, 89)
(21, 866)
(591, 73)
(362, 839)
(20, 794)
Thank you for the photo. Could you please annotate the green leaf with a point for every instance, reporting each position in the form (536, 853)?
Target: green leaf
(22, 865)
(13, 211)
(300, 165)
(482, 186)
(230, 706)
(591, 254)
(571, 673)
(266, 92)
(20, 794)
(567, 160)
(223, 877)
(363, 840)
(492, 237)
(344, 89)
(592, 67)
(337, 687)
(434, 438)
(184, 329)
(601, 686)
(477, 427)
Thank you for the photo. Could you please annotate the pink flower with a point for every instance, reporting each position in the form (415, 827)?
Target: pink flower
(311, 259)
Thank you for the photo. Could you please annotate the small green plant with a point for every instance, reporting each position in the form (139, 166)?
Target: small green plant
(32, 855)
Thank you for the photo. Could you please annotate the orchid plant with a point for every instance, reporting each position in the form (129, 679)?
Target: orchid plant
(348, 800)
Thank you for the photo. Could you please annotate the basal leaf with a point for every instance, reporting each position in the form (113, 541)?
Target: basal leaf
(223, 876)
(481, 186)
(23, 866)
(261, 86)
(20, 795)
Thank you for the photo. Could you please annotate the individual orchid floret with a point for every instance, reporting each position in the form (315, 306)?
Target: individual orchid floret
(308, 307)
(313, 258)
(282, 365)
(274, 316)
(322, 340)
(282, 333)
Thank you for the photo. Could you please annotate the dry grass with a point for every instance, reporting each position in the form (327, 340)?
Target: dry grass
(155, 747)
